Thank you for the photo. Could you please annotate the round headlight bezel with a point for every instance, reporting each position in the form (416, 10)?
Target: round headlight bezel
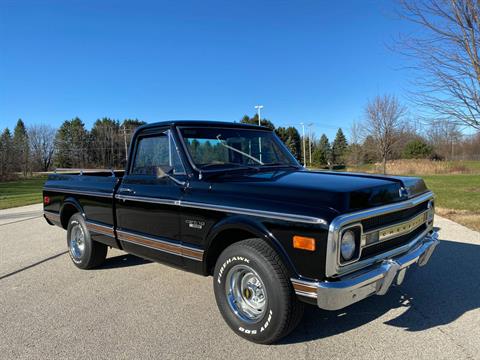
(354, 234)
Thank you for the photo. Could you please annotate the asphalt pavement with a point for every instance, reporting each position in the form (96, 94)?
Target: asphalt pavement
(135, 309)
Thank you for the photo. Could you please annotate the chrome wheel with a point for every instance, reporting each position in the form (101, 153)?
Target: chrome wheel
(77, 242)
(246, 293)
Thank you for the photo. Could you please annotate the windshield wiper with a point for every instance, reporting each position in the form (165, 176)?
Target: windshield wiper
(224, 171)
(236, 166)
(222, 142)
(282, 165)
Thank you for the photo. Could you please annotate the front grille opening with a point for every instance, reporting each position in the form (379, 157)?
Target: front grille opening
(393, 218)
(392, 243)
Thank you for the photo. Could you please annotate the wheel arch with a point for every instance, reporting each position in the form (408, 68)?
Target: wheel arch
(69, 207)
(237, 228)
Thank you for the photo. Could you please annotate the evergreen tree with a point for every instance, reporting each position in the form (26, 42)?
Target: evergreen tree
(369, 151)
(291, 138)
(71, 142)
(323, 152)
(21, 153)
(339, 148)
(417, 149)
(254, 121)
(6, 154)
(105, 143)
(127, 129)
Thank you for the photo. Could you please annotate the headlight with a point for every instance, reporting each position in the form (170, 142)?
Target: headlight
(347, 246)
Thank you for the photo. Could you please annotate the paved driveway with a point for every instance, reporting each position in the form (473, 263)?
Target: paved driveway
(131, 308)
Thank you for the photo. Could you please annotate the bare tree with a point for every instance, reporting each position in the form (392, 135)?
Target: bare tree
(446, 56)
(355, 153)
(42, 139)
(444, 136)
(384, 121)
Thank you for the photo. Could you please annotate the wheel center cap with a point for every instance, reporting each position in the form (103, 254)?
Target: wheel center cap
(247, 293)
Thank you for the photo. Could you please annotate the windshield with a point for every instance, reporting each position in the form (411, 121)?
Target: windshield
(212, 148)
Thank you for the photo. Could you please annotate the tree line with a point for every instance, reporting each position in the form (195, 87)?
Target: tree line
(384, 134)
(317, 152)
(42, 147)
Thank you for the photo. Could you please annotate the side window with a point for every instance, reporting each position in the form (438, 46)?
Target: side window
(157, 152)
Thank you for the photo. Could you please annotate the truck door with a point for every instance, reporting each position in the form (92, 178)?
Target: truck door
(148, 215)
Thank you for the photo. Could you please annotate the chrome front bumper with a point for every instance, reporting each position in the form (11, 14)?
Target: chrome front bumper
(377, 279)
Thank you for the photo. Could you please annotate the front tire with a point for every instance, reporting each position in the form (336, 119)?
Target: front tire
(84, 252)
(254, 293)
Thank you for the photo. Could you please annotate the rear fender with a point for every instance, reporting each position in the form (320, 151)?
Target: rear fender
(66, 210)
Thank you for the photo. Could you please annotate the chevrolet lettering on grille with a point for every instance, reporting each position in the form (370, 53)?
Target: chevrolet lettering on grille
(403, 228)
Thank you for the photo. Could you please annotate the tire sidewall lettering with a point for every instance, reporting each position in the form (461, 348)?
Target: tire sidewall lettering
(262, 328)
(228, 262)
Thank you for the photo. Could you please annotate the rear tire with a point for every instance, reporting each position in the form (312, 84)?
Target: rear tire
(254, 293)
(84, 252)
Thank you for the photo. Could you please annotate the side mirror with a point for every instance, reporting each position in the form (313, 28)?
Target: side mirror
(164, 171)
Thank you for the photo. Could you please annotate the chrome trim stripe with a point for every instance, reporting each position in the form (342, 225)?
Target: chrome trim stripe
(53, 216)
(147, 199)
(165, 246)
(79, 192)
(332, 267)
(252, 212)
(100, 229)
(304, 288)
(228, 209)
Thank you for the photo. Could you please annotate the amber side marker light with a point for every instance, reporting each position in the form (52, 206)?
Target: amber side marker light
(304, 243)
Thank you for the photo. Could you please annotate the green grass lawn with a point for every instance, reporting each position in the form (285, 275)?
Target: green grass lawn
(459, 192)
(21, 192)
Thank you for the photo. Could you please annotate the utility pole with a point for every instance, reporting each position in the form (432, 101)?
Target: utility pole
(310, 142)
(125, 139)
(259, 107)
(304, 147)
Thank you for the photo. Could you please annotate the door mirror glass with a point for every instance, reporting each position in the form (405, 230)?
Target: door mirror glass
(164, 171)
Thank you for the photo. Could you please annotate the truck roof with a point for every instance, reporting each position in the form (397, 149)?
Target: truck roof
(202, 123)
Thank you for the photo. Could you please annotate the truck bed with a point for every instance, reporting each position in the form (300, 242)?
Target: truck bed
(89, 192)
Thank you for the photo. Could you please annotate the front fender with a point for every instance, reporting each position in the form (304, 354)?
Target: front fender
(250, 225)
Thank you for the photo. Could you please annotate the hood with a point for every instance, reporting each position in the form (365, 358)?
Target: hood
(307, 190)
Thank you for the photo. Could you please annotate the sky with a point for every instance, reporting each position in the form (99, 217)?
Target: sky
(305, 61)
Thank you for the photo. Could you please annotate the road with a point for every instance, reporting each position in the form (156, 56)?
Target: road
(134, 309)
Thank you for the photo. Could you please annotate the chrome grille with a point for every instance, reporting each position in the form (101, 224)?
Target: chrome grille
(387, 245)
(392, 218)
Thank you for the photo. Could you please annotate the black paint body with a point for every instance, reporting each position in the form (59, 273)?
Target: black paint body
(285, 190)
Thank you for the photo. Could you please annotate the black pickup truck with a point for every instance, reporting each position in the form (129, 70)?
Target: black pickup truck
(229, 200)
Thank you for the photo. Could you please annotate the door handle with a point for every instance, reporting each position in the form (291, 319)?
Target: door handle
(126, 190)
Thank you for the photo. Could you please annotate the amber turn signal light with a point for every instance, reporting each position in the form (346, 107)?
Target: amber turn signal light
(304, 243)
